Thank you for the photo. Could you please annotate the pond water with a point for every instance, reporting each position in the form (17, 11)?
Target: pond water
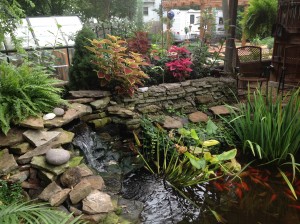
(262, 197)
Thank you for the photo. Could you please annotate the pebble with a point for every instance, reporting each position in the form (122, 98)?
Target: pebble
(58, 111)
(49, 116)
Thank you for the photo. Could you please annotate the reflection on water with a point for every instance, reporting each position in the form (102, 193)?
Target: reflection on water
(256, 204)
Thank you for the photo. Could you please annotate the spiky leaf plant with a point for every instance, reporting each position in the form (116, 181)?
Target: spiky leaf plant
(25, 91)
(30, 213)
(269, 128)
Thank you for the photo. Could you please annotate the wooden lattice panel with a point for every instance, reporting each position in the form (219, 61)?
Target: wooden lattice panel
(168, 4)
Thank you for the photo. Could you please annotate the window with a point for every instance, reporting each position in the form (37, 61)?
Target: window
(192, 19)
(145, 11)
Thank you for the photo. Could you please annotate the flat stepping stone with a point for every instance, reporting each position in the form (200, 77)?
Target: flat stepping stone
(198, 116)
(173, 122)
(39, 138)
(33, 122)
(89, 93)
(75, 111)
(220, 110)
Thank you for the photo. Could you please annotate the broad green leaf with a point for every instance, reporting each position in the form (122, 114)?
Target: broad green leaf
(228, 155)
(184, 132)
(211, 128)
(233, 165)
(194, 134)
(209, 143)
(207, 156)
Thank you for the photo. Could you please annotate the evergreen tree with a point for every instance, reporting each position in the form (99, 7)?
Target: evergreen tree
(82, 74)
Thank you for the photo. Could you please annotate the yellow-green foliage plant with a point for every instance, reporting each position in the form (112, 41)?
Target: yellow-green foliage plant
(27, 90)
(117, 67)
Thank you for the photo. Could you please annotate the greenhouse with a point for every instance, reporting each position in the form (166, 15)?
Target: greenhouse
(42, 36)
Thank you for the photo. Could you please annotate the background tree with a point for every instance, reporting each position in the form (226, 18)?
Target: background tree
(11, 13)
(46, 7)
(104, 9)
(259, 18)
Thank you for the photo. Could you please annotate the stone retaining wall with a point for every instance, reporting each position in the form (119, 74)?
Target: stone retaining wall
(184, 97)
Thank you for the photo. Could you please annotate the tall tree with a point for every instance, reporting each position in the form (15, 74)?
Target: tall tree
(46, 7)
(11, 13)
(105, 9)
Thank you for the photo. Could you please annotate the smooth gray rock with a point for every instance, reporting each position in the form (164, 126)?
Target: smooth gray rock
(97, 202)
(39, 138)
(7, 162)
(57, 156)
(58, 111)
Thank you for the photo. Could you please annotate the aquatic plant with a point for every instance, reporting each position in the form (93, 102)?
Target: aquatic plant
(182, 157)
(268, 128)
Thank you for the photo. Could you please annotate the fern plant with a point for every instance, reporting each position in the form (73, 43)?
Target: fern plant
(39, 213)
(25, 91)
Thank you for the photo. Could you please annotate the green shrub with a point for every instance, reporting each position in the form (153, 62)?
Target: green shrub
(10, 193)
(83, 73)
(25, 91)
(269, 128)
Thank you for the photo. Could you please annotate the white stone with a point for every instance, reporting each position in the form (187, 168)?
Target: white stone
(57, 156)
(144, 89)
(49, 116)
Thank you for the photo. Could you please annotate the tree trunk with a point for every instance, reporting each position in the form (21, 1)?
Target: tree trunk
(230, 44)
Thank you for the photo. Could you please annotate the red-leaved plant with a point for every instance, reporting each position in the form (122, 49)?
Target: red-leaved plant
(116, 67)
(181, 62)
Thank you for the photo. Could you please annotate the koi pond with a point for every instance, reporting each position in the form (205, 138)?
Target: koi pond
(258, 195)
